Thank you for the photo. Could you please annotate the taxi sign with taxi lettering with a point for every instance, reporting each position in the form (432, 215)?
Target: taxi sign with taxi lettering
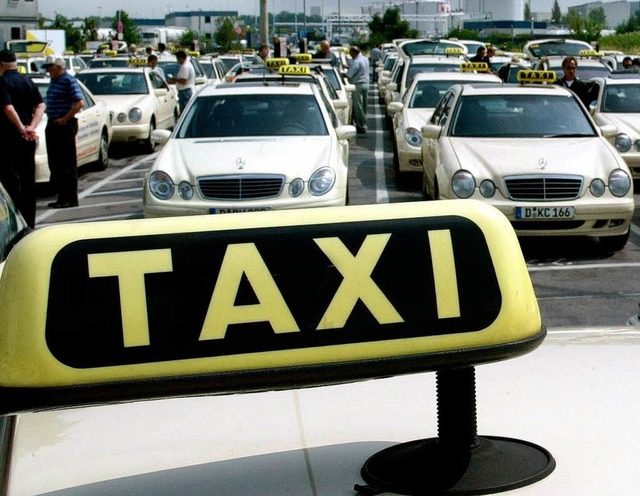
(275, 63)
(260, 301)
(534, 76)
(474, 66)
(453, 51)
(294, 69)
(303, 58)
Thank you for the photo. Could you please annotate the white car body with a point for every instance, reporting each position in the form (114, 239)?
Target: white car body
(272, 157)
(540, 180)
(94, 133)
(410, 114)
(618, 104)
(154, 102)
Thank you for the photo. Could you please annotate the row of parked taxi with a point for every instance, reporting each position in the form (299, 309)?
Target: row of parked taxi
(530, 148)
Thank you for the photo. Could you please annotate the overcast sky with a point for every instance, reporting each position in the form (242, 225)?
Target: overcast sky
(158, 8)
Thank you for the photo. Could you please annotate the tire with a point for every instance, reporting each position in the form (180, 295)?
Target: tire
(148, 145)
(103, 155)
(613, 243)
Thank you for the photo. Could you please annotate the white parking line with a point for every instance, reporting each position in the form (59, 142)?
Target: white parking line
(45, 215)
(544, 268)
(382, 194)
(115, 192)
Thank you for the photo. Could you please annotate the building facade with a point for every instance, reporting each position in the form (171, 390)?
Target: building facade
(16, 17)
(617, 12)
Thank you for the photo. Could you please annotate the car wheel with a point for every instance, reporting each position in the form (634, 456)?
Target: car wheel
(148, 144)
(614, 243)
(103, 155)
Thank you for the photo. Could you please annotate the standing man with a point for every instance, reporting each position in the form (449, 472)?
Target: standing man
(22, 110)
(162, 50)
(152, 60)
(586, 92)
(263, 54)
(358, 74)
(325, 52)
(185, 80)
(64, 101)
(480, 56)
(376, 55)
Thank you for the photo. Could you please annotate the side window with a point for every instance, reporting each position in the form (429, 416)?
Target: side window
(156, 81)
(335, 122)
(88, 101)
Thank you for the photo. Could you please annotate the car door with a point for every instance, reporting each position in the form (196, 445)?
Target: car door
(88, 137)
(166, 99)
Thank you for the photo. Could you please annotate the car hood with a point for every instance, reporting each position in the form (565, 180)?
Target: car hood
(122, 103)
(588, 157)
(188, 159)
(626, 123)
(417, 117)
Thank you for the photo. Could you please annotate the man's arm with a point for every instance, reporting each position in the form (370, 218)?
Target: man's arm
(77, 107)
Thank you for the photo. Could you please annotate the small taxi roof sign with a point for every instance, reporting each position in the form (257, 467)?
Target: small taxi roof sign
(294, 70)
(534, 76)
(474, 66)
(111, 53)
(454, 51)
(387, 290)
(590, 53)
(275, 63)
(303, 57)
(138, 61)
(193, 53)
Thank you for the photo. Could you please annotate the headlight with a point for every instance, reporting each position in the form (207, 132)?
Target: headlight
(623, 143)
(322, 181)
(296, 187)
(487, 188)
(413, 136)
(135, 114)
(185, 190)
(597, 187)
(463, 184)
(619, 183)
(122, 117)
(161, 185)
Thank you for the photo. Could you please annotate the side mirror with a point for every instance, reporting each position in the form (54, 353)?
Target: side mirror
(609, 131)
(392, 86)
(346, 132)
(160, 136)
(395, 107)
(161, 91)
(431, 131)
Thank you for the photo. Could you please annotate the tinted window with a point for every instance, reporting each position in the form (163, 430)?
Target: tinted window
(621, 99)
(114, 83)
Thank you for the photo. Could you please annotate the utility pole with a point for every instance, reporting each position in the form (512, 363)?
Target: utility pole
(264, 22)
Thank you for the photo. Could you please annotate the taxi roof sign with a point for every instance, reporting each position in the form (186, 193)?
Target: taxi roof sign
(294, 70)
(474, 66)
(138, 61)
(275, 63)
(386, 289)
(454, 51)
(535, 76)
(590, 53)
(303, 58)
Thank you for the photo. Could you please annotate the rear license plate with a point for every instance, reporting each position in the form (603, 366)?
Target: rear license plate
(237, 210)
(545, 212)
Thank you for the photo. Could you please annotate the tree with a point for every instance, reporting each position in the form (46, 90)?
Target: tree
(130, 32)
(632, 24)
(90, 29)
(389, 27)
(527, 11)
(225, 35)
(596, 21)
(74, 39)
(556, 13)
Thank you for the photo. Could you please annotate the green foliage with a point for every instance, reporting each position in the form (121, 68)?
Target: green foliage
(130, 32)
(463, 34)
(587, 29)
(186, 39)
(389, 27)
(633, 24)
(225, 35)
(556, 13)
(527, 12)
(74, 38)
(625, 42)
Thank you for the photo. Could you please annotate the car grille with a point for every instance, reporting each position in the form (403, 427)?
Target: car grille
(242, 187)
(539, 187)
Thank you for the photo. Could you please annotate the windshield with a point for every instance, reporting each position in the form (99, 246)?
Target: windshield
(521, 116)
(418, 68)
(12, 225)
(427, 47)
(107, 62)
(622, 99)
(558, 48)
(223, 116)
(586, 71)
(115, 83)
(427, 94)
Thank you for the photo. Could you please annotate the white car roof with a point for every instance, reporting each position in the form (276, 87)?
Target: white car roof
(453, 76)
(302, 88)
(514, 89)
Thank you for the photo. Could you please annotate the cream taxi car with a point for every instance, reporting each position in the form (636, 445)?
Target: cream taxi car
(251, 146)
(139, 99)
(618, 104)
(548, 55)
(533, 152)
(94, 136)
(415, 109)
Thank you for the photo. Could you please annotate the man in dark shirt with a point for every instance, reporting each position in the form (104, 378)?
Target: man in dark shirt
(586, 92)
(22, 110)
(64, 101)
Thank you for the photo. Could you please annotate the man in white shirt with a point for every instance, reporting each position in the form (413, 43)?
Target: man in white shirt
(185, 80)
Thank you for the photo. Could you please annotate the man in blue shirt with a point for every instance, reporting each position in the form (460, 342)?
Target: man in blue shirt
(358, 74)
(22, 109)
(64, 101)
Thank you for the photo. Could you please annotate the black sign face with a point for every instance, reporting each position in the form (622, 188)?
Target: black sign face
(156, 298)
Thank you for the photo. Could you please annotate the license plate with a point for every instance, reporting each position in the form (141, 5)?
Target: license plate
(234, 210)
(545, 212)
